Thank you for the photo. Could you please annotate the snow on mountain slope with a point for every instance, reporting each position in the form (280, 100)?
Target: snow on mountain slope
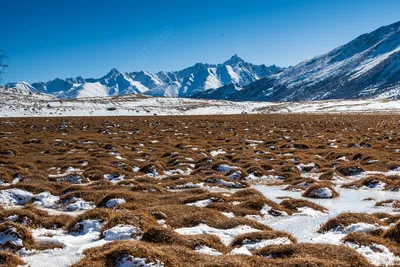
(203, 77)
(147, 79)
(90, 90)
(22, 87)
(185, 83)
(368, 66)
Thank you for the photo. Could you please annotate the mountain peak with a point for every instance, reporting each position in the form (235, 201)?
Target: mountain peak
(234, 60)
(113, 71)
(182, 83)
(22, 87)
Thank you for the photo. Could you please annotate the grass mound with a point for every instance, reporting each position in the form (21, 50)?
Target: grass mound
(111, 253)
(10, 260)
(321, 190)
(394, 203)
(162, 235)
(16, 236)
(152, 169)
(140, 220)
(293, 205)
(102, 215)
(370, 182)
(32, 217)
(331, 254)
(345, 219)
(258, 236)
(350, 170)
(179, 216)
(393, 233)
(364, 239)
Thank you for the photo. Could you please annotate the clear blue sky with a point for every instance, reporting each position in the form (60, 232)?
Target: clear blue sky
(49, 39)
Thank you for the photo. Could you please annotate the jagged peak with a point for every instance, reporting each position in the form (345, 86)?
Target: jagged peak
(234, 60)
(113, 71)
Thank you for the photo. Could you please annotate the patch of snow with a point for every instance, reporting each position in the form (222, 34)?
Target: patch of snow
(114, 178)
(46, 200)
(10, 236)
(214, 153)
(226, 235)
(376, 254)
(207, 250)
(76, 204)
(201, 203)
(131, 261)
(241, 251)
(226, 168)
(112, 203)
(235, 175)
(87, 226)
(15, 196)
(122, 232)
(266, 242)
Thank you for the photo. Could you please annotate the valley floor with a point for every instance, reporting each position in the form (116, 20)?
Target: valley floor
(248, 190)
(16, 104)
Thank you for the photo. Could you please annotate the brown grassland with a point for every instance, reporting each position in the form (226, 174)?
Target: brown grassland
(157, 164)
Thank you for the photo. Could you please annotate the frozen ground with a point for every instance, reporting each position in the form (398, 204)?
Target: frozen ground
(135, 151)
(304, 226)
(36, 105)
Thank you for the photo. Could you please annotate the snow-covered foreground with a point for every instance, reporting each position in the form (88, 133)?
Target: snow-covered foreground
(37, 105)
(304, 226)
(113, 184)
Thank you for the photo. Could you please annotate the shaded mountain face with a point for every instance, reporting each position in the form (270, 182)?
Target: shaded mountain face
(367, 67)
(223, 93)
(185, 83)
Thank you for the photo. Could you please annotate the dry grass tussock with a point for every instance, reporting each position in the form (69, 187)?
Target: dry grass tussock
(321, 190)
(331, 254)
(345, 219)
(160, 235)
(258, 236)
(17, 231)
(10, 259)
(159, 165)
(35, 218)
(171, 255)
(365, 239)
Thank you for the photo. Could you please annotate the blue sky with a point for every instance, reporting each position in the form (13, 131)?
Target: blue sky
(49, 39)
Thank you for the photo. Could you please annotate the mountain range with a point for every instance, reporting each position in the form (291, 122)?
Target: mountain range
(185, 83)
(367, 67)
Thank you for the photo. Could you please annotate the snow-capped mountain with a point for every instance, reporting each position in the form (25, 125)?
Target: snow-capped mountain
(367, 67)
(185, 83)
(22, 87)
